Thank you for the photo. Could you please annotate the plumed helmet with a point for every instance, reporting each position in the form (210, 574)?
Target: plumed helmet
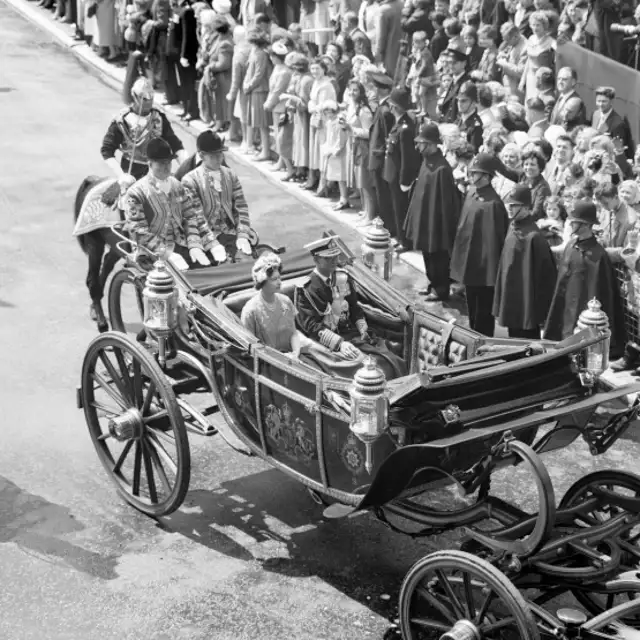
(485, 163)
(264, 266)
(584, 211)
(159, 149)
(142, 89)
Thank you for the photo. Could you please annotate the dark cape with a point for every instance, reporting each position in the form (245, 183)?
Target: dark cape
(526, 277)
(585, 272)
(479, 239)
(432, 217)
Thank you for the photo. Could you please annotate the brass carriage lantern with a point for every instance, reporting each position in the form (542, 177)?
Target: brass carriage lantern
(595, 358)
(160, 299)
(369, 406)
(377, 252)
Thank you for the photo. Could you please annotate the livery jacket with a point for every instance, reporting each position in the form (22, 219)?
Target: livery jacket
(161, 221)
(328, 307)
(220, 209)
(129, 134)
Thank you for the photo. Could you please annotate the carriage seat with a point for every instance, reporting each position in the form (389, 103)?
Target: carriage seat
(236, 301)
(437, 342)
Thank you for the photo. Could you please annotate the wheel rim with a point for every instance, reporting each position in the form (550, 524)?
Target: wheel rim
(455, 595)
(599, 598)
(135, 424)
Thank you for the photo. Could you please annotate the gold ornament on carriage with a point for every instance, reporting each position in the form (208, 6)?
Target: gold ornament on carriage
(594, 360)
(376, 250)
(160, 297)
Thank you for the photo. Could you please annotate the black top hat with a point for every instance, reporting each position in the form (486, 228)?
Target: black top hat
(520, 194)
(485, 163)
(429, 132)
(210, 142)
(159, 149)
(584, 211)
(401, 97)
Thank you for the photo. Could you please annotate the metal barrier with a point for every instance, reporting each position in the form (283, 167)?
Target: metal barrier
(629, 282)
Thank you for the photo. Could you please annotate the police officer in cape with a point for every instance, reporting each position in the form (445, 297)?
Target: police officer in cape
(328, 313)
(402, 160)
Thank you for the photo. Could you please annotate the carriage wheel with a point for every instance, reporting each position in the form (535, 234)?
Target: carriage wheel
(136, 424)
(602, 598)
(125, 291)
(457, 593)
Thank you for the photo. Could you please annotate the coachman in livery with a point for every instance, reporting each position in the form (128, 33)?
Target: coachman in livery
(329, 313)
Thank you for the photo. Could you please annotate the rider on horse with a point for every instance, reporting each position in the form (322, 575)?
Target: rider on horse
(217, 194)
(160, 213)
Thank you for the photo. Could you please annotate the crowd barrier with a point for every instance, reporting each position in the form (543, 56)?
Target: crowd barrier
(595, 70)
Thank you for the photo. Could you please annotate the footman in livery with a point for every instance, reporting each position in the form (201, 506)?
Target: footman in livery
(160, 214)
(217, 194)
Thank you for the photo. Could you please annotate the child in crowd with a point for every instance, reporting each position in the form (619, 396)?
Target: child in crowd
(334, 153)
(553, 225)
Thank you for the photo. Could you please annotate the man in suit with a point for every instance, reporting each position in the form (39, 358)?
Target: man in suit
(350, 29)
(606, 120)
(537, 118)
(215, 190)
(566, 84)
(378, 133)
(449, 106)
(468, 120)
(402, 161)
(388, 34)
(562, 156)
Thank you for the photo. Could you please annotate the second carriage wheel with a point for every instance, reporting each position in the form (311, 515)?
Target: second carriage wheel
(602, 597)
(126, 310)
(454, 594)
(135, 424)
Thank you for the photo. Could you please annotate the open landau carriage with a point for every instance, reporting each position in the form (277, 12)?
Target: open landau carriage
(469, 406)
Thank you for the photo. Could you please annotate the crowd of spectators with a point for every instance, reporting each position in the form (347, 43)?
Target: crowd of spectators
(335, 92)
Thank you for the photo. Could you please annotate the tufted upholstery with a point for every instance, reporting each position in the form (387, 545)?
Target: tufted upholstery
(428, 334)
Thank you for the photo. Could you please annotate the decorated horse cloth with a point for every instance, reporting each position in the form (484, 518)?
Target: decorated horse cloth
(94, 213)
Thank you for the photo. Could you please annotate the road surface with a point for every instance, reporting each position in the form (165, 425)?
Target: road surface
(249, 555)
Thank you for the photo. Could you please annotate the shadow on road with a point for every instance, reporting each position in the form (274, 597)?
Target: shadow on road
(38, 527)
(354, 555)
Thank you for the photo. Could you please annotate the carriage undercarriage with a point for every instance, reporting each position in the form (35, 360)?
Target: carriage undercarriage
(570, 570)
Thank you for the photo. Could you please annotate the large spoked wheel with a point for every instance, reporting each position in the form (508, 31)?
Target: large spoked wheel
(458, 593)
(136, 424)
(126, 311)
(605, 596)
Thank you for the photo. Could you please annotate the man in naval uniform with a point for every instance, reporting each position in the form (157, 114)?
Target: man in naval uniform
(130, 133)
(217, 195)
(328, 313)
(160, 214)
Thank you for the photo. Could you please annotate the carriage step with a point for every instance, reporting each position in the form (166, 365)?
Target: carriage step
(79, 402)
(212, 410)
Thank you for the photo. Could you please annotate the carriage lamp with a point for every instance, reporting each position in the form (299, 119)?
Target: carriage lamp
(594, 360)
(160, 299)
(377, 252)
(369, 406)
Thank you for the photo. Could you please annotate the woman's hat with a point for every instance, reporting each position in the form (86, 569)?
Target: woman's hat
(264, 266)
(297, 60)
(210, 142)
(221, 6)
(159, 149)
(279, 48)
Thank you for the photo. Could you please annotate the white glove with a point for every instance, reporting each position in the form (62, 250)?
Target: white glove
(243, 245)
(184, 62)
(349, 351)
(125, 181)
(199, 256)
(219, 253)
(404, 189)
(178, 262)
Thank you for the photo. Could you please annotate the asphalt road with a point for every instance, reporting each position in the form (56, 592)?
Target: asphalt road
(249, 555)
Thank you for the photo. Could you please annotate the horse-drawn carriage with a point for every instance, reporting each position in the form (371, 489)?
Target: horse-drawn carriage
(469, 406)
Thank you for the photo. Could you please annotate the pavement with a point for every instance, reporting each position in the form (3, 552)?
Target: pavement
(249, 555)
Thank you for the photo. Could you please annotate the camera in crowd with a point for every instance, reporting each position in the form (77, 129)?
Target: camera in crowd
(626, 29)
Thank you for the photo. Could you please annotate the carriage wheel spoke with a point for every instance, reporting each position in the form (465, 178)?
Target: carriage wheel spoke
(137, 470)
(122, 457)
(156, 416)
(468, 594)
(109, 391)
(157, 464)
(484, 608)
(108, 411)
(126, 378)
(431, 624)
(117, 380)
(458, 608)
(436, 604)
(151, 392)
(148, 467)
(159, 449)
(138, 391)
(494, 626)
